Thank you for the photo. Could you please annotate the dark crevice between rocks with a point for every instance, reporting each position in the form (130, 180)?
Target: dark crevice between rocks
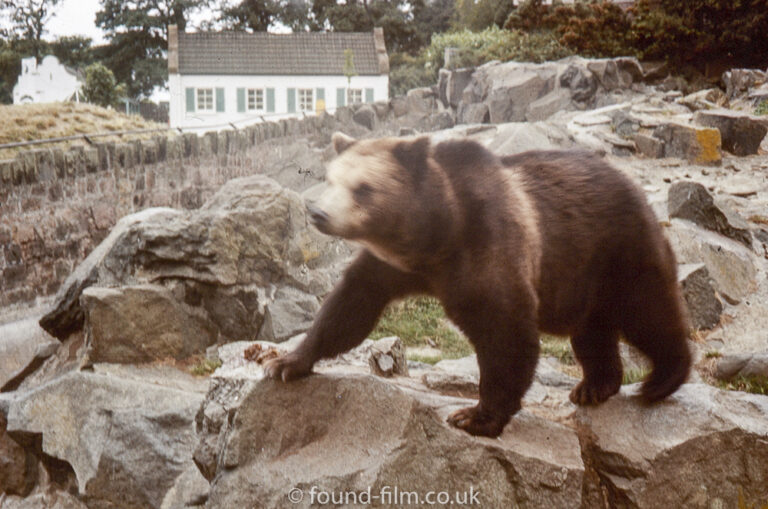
(60, 474)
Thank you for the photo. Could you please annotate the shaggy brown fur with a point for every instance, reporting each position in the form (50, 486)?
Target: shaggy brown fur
(556, 242)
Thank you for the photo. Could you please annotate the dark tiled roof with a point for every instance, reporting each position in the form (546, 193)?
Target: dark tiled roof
(264, 53)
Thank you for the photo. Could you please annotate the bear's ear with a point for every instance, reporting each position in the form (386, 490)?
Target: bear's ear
(342, 142)
(413, 155)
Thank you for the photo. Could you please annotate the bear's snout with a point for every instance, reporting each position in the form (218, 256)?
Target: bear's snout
(318, 216)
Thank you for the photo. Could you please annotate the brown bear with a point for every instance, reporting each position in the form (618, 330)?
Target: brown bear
(543, 241)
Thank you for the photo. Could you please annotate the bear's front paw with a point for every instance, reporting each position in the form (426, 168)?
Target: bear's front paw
(288, 367)
(477, 422)
(586, 393)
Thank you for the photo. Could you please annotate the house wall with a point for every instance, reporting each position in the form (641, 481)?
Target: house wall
(180, 117)
(48, 82)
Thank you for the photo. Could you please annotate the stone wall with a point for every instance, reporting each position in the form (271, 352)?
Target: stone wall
(56, 205)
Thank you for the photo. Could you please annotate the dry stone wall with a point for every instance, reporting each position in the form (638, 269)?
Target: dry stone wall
(56, 205)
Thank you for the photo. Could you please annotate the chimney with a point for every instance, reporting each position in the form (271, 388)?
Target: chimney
(173, 49)
(381, 50)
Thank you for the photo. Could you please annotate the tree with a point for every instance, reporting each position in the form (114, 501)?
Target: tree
(73, 50)
(28, 19)
(255, 15)
(703, 32)
(100, 86)
(138, 35)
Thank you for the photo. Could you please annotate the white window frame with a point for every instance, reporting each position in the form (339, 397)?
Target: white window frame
(305, 97)
(354, 92)
(201, 101)
(259, 99)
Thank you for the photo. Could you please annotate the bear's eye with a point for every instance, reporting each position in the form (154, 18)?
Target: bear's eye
(363, 192)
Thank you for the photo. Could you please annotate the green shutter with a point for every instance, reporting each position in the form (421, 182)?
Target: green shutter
(270, 100)
(341, 95)
(240, 100)
(320, 94)
(369, 95)
(220, 100)
(291, 100)
(190, 99)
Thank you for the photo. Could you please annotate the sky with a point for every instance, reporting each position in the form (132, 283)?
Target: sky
(76, 17)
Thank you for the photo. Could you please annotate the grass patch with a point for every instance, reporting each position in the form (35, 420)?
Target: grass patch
(26, 122)
(752, 384)
(558, 347)
(713, 354)
(421, 321)
(762, 108)
(426, 359)
(204, 367)
(632, 376)
(759, 219)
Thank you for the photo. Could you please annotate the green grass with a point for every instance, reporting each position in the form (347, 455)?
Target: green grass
(205, 367)
(762, 108)
(713, 354)
(752, 384)
(632, 376)
(421, 321)
(558, 347)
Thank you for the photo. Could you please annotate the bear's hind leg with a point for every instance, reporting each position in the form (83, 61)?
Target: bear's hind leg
(654, 323)
(596, 348)
(507, 352)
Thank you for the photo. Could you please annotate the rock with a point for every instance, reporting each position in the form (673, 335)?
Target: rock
(741, 134)
(696, 145)
(731, 265)
(704, 308)
(421, 101)
(512, 94)
(23, 348)
(691, 201)
(291, 312)
(317, 434)
(544, 107)
(457, 81)
(738, 81)
(747, 365)
(580, 81)
(189, 490)
(708, 99)
(365, 116)
(49, 500)
(387, 357)
(607, 73)
(456, 377)
(18, 467)
(142, 323)
(632, 451)
(225, 262)
(127, 440)
(399, 106)
(475, 113)
(649, 146)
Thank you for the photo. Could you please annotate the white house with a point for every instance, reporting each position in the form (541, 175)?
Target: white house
(221, 78)
(46, 82)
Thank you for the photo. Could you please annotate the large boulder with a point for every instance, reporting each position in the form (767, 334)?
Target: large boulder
(704, 308)
(23, 348)
(741, 133)
(691, 201)
(337, 434)
(247, 264)
(701, 448)
(126, 438)
(694, 144)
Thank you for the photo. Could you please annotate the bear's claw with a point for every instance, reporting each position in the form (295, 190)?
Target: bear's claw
(476, 422)
(593, 394)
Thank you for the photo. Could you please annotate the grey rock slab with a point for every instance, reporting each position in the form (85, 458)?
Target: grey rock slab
(24, 345)
(126, 441)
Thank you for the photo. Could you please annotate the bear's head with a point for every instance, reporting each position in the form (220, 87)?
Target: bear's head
(388, 195)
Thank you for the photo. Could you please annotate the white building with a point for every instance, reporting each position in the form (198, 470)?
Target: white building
(46, 82)
(221, 78)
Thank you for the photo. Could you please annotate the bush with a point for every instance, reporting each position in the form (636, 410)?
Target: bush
(100, 86)
(702, 32)
(590, 29)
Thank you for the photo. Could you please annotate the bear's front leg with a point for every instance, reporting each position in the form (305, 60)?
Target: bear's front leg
(506, 340)
(348, 315)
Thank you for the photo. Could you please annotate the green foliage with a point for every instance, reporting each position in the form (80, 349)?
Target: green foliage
(100, 86)
(633, 376)
(138, 33)
(591, 29)
(255, 15)
(205, 367)
(74, 51)
(557, 347)
(753, 384)
(762, 108)
(421, 321)
(702, 32)
(28, 19)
